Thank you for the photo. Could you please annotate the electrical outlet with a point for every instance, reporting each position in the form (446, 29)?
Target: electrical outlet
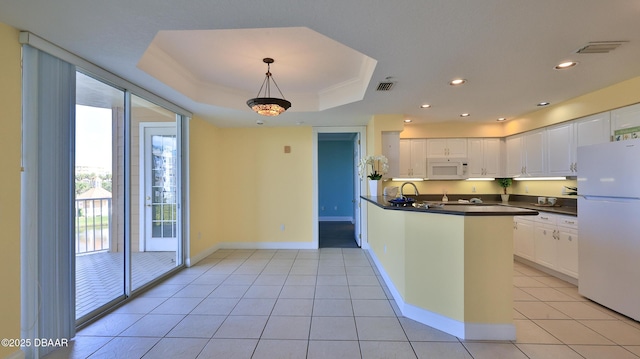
(473, 189)
(322, 208)
(282, 227)
(526, 189)
(385, 248)
(335, 208)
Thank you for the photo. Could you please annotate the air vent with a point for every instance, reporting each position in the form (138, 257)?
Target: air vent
(385, 86)
(600, 47)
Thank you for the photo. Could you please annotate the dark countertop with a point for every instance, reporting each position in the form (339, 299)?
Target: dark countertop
(454, 208)
(565, 210)
(566, 206)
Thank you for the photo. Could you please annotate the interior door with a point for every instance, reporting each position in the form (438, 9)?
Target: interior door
(160, 188)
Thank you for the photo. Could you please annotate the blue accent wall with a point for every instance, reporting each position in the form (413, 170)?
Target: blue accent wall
(336, 174)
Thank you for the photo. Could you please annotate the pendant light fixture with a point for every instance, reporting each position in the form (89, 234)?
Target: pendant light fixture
(267, 105)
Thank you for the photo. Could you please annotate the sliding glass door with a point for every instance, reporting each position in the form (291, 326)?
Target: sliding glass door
(128, 223)
(99, 195)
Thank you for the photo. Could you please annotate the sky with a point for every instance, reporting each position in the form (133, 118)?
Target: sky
(93, 137)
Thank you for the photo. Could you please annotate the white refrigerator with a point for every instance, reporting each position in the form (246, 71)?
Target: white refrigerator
(609, 225)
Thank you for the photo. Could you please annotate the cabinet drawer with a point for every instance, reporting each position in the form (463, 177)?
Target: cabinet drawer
(568, 221)
(546, 218)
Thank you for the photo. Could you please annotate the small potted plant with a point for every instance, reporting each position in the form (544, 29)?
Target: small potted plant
(505, 183)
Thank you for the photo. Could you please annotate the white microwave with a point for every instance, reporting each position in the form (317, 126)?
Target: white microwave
(446, 168)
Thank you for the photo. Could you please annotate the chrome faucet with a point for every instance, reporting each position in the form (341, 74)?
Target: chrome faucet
(406, 183)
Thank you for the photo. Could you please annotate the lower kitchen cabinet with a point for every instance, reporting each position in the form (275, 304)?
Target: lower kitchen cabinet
(549, 240)
(546, 248)
(568, 249)
(523, 237)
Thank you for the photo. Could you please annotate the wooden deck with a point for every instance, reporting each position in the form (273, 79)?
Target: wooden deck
(100, 275)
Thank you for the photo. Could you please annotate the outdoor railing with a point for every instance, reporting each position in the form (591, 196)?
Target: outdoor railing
(93, 225)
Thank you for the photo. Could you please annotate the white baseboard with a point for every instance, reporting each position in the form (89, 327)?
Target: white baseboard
(268, 245)
(191, 261)
(549, 271)
(336, 219)
(462, 330)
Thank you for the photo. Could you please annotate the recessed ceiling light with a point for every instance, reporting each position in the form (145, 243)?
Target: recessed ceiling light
(407, 120)
(464, 115)
(543, 104)
(565, 65)
(456, 82)
(501, 119)
(426, 105)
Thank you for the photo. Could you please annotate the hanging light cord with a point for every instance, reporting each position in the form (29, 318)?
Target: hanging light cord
(268, 80)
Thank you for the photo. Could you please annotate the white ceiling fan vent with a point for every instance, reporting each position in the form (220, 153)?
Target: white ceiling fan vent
(385, 86)
(600, 47)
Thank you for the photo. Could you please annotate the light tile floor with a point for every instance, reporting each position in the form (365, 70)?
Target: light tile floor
(332, 303)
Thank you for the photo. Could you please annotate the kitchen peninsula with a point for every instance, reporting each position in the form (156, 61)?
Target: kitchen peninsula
(448, 267)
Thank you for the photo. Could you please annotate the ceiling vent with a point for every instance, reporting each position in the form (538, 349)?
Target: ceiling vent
(599, 47)
(385, 86)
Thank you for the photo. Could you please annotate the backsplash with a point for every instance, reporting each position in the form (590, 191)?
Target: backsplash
(530, 188)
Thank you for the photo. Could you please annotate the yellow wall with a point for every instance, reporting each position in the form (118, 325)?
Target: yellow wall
(206, 185)
(10, 144)
(488, 269)
(457, 187)
(453, 129)
(245, 188)
(435, 263)
(377, 125)
(386, 234)
(542, 188)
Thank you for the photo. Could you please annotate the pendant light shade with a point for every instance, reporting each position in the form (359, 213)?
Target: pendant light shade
(266, 105)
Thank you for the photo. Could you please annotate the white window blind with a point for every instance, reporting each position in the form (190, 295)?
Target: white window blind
(47, 255)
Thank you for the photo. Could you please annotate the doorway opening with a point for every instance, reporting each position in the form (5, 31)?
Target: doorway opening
(338, 190)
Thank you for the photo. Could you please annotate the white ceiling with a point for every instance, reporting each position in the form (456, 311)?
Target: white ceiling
(506, 49)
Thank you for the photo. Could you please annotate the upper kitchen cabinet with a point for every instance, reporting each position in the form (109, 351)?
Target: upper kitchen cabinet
(390, 141)
(561, 144)
(563, 141)
(447, 148)
(413, 158)
(515, 166)
(593, 129)
(484, 157)
(625, 118)
(526, 154)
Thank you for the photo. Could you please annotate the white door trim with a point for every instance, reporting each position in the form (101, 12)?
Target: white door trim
(362, 134)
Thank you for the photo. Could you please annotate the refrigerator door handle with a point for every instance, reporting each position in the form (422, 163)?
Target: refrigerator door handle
(609, 199)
